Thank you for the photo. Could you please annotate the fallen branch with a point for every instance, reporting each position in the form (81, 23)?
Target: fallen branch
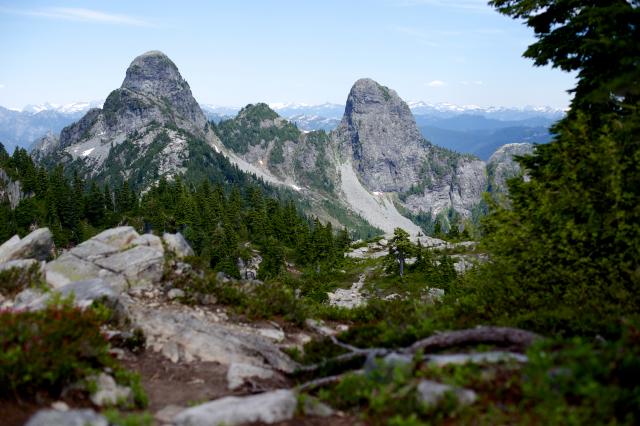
(324, 381)
(503, 336)
(343, 358)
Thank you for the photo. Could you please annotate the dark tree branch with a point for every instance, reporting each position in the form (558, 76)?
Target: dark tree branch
(503, 336)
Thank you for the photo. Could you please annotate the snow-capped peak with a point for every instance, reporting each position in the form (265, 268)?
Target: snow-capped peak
(72, 108)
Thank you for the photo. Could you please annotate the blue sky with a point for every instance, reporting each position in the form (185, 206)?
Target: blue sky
(237, 52)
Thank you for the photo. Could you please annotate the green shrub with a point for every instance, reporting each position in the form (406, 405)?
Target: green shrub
(117, 418)
(14, 280)
(579, 382)
(48, 349)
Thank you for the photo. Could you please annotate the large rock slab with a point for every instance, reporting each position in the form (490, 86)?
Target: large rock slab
(268, 407)
(37, 245)
(67, 418)
(181, 333)
(138, 265)
(69, 268)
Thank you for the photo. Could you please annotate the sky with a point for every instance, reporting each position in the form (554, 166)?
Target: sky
(238, 52)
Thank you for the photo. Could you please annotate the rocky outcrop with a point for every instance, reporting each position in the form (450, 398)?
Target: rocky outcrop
(502, 165)
(111, 256)
(124, 270)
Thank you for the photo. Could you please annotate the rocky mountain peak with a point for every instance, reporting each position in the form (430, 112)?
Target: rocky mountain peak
(153, 73)
(379, 135)
(369, 97)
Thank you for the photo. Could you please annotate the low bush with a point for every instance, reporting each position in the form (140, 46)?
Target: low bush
(48, 349)
(42, 352)
(13, 280)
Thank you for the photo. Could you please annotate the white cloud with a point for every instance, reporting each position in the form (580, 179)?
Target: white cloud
(472, 83)
(1, 86)
(436, 83)
(79, 15)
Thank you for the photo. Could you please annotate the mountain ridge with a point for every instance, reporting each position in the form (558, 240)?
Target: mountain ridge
(152, 127)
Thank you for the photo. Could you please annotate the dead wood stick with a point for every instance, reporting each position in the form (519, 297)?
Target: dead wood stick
(324, 381)
(505, 336)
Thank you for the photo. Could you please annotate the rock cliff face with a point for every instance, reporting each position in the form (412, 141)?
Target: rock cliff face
(10, 190)
(502, 166)
(379, 134)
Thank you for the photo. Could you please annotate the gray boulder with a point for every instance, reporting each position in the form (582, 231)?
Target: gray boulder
(431, 393)
(37, 245)
(269, 407)
(83, 417)
(177, 245)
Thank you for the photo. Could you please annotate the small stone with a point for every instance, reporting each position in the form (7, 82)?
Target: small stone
(60, 406)
(108, 392)
(175, 293)
(149, 240)
(431, 393)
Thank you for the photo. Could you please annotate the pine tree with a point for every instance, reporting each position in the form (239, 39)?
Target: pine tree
(565, 251)
(400, 248)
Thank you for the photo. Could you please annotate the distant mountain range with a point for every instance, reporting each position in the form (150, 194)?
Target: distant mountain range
(466, 129)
